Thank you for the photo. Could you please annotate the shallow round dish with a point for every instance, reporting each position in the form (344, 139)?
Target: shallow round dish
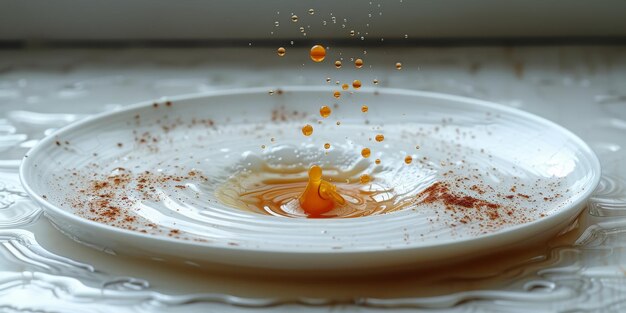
(144, 180)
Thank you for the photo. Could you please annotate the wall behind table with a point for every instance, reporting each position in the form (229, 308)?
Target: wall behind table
(75, 20)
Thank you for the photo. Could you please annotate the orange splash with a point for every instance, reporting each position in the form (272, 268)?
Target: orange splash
(319, 196)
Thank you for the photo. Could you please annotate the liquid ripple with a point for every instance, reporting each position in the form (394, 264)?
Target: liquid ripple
(609, 199)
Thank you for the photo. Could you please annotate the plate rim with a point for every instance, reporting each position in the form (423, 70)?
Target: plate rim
(555, 218)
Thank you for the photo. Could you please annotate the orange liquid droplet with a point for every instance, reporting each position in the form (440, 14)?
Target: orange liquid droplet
(377, 161)
(307, 130)
(319, 196)
(364, 179)
(281, 51)
(399, 66)
(337, 94)
(380, 137)
(325, 111)
(358, 63)
(345, 86)
(356, 84)
(366, 152)
(408, 159)
(318, 53)
(338, 64)
(327, 146)
(364, 109)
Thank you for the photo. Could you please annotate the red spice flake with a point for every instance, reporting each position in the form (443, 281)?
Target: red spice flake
(98, 185)
(523, 195)
(456, 203)
(441, 192)
(168, 103)
(113, 199)
(111, 212)
(477, 189)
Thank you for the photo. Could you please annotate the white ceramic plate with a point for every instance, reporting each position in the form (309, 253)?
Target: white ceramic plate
(145, 180)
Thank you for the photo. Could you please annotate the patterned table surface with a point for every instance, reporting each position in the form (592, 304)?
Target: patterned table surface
(580, 87)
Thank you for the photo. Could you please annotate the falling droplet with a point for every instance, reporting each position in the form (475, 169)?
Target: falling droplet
(318, 53)
(276, 24)
(408, 159)
(328, 79)
(380, 137)
(364, 179)
(358, 63)
(307, 130)
(271, 92)
(366, 152)
(281, 51)
(345, 86)
(311, 11)
(262, 146)
(337, 94)
(294, 18)
(301, 29)
(377, 161)
(399, 66)
(406, 36)
(364, 109)
(375, 81)
(351, 33)
(325, 111)
(338, 64)
(356, 84)
(327, 146)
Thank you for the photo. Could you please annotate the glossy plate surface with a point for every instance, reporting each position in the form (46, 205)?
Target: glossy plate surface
(160, 179)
